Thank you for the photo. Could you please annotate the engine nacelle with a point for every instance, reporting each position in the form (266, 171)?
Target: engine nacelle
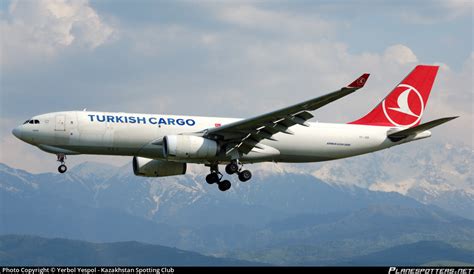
(157, 168)
(188, 147)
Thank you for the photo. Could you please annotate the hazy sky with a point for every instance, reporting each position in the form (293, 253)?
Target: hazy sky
(225, 58)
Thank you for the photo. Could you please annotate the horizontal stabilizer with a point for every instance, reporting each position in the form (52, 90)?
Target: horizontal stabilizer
(397, 136)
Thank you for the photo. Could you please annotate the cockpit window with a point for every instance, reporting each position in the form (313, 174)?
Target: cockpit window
(32, 122)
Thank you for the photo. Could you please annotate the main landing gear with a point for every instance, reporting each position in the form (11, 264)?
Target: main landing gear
(61, 158)
(233, 167)
(215, 177)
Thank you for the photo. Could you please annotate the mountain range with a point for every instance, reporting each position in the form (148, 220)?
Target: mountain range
(37, 251)
(21, 250)
(428, 171)
(285, 215)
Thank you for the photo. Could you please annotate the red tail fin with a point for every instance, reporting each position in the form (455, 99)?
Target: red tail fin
(404, 106)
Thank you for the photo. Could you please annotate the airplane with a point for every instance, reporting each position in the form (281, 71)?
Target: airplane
(163, 145)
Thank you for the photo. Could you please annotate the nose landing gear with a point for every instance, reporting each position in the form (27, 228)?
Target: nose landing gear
(61, 158)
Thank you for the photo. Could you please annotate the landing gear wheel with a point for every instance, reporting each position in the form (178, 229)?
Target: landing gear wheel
(245, 175)
(232, 168)
(62, 168)
(212, 178)
(61, 158)
(224, 185)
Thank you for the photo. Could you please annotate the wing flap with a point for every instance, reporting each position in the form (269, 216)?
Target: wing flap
(304, 115)
(263, 134)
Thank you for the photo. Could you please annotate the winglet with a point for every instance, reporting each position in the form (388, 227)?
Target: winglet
(360, 82)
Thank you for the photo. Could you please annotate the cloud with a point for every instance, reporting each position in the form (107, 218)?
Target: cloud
(254, 18)
(432, 12)
(454, 96)
(400, 54)
(40, 29)
(161, 40)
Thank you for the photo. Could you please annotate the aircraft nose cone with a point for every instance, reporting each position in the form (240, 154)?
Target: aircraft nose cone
(17, 132)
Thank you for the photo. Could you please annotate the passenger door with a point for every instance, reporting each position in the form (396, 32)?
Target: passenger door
(60, 123)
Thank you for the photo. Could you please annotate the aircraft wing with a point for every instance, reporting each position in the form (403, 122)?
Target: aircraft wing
(244, 135)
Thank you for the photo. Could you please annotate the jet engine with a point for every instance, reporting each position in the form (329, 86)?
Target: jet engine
(188, 147)
(157, 168)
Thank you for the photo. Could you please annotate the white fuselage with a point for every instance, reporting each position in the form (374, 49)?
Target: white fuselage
(84, 132)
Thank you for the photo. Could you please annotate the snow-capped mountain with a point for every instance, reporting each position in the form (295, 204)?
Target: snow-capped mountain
(281, 209)
(432, 173)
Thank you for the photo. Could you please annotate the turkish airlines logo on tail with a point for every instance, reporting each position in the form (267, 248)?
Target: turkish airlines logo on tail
(361, 81)
(407, 109)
